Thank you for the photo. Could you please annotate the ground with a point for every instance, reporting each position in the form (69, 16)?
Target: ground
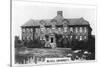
(27, 55)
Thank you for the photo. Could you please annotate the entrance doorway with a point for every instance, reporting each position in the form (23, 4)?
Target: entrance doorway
(51, 39)
(53, 42)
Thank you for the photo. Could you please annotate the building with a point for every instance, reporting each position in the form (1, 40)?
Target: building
(54, 31)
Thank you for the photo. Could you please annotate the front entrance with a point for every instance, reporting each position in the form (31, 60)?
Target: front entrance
(51, 41)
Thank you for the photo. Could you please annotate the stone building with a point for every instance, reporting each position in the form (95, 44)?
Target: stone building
(52, 31)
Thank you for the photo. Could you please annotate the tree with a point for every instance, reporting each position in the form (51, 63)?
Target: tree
(17, 42)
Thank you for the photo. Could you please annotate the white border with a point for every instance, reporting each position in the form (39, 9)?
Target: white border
(39, 3)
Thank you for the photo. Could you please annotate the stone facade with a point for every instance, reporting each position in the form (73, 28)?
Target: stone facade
(53, 30)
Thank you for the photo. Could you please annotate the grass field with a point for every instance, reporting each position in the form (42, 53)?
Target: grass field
(30, 55)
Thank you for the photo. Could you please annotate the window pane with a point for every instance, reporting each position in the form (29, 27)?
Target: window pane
(65, 29)
(80, 37)
(85, 29)
(76, 30)
(80, 29)
(71, 29)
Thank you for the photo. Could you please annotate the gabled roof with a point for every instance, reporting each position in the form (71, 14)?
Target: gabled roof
(78, 21)
(75, 21)
(32, 22)
(58, 21)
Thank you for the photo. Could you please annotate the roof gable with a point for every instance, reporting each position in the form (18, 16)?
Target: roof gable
(58, 20)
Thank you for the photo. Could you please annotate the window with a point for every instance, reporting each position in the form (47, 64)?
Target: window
(23, 37)
(42, 29)
(27, 30)
(42, 37)
(53, 27)
(23, 30)
(85, 37)
(80, 38)
(28, 37)
(48, 30)
(76, 37)
(71, 29)
(31, 30)
(85, 29)
(59, 29)
(66, 36)
(31, 38)
(81, 29)
(37, 30)
(65, 29)
(71, 37)
(76, 30)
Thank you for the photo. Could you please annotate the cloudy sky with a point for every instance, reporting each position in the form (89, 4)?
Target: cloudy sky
(24, 11)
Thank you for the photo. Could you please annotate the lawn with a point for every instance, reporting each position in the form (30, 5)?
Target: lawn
(32, 55)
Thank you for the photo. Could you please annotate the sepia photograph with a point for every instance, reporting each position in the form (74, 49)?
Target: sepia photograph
(51, 33)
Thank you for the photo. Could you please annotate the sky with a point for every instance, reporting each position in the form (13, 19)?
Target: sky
(24, 11)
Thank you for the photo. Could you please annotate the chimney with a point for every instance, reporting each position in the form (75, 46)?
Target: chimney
(59, 13)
